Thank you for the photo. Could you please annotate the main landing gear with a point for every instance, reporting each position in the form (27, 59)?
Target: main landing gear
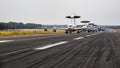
(68, 31)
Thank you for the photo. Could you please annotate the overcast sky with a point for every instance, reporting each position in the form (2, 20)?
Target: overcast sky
(105, 12)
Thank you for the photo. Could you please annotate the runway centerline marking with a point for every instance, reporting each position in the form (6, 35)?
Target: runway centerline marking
(96, 33)
(78, 38)
(2, 41)
(51, 45)
(88, 35)
(15, 52)
(92, 34)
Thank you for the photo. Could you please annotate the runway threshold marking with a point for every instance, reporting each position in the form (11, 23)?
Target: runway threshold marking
(78, 38)
(51, 45)
(2, 41)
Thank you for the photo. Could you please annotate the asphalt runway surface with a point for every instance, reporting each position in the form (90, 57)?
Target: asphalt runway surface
(84, 50)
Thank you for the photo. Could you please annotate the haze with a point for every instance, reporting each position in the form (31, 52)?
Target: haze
(103, 12)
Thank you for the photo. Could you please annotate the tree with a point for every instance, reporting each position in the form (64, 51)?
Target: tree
(2, 26)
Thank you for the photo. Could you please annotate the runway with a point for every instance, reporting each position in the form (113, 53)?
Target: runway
(84, 50)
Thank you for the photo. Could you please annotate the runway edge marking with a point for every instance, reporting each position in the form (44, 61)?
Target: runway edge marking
(51, 45)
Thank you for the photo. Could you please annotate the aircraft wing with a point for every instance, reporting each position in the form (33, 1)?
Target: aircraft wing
(62, 28)
(77, 28)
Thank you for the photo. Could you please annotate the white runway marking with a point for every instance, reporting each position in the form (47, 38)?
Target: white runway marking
(51, 45)
(78, 38)
(14, 52)
(96, 33)
(88, 35)
(2, 41)
(92, 34)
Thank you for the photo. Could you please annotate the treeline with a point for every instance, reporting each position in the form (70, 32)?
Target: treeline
(114, 27)
(18, 25)
(111, 27)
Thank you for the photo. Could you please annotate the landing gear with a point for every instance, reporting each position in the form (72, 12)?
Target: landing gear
(78, 31)
(88, 31)
(68, 31)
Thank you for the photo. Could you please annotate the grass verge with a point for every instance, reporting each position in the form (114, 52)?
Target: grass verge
(20, 32)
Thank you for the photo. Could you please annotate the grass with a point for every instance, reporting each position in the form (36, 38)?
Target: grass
(18, 32)
(118, 30)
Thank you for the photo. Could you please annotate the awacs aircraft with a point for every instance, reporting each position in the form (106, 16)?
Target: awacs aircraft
(85, 27)
(90, 27)
(72, 27)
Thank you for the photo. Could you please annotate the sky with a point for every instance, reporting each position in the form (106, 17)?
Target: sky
(100, 12)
